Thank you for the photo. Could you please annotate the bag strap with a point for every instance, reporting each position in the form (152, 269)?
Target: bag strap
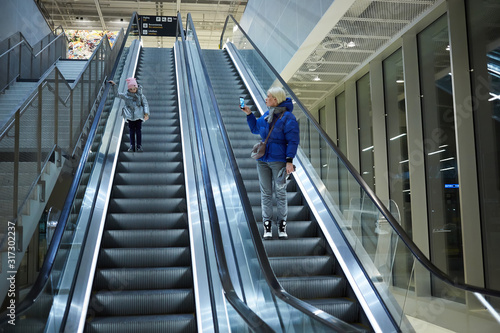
(272, 127)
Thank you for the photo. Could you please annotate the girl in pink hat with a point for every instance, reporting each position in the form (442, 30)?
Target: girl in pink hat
(135, 111)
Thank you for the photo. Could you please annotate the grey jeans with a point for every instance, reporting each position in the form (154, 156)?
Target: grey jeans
(268, 172)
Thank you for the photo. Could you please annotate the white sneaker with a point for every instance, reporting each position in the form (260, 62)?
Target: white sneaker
(282, 230)
(267, 230)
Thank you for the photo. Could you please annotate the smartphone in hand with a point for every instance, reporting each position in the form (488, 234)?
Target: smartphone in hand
(242, 102)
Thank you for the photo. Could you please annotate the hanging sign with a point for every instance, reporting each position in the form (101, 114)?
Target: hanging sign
(158, 25)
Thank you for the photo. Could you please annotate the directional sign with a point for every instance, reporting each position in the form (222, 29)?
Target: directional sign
(158, 25)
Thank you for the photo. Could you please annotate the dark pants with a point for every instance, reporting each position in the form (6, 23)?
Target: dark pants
(135, 131)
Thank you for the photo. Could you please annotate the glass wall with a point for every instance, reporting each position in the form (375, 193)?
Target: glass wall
(323, 151)
(439, 148)
(397, 155)
(484, 46)
(341, 124)
(365, 125)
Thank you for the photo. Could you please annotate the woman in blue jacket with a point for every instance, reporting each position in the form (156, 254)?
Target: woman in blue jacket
(280, 150)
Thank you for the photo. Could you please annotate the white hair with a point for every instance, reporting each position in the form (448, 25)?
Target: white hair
(278, 93)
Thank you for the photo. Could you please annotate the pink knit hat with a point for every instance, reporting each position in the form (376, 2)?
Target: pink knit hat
(131, 82)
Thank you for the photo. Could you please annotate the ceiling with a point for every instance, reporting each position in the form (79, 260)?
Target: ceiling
(345, 38)
(360, 30)
(208, 15)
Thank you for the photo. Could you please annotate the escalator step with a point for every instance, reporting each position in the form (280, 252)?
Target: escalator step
(142, 179)
(153, 205)
(342, 308)
(144, 302)
(314, 286)
(154, 191)
(143, 278)
(302, 266)
(295, 247)
(151, 324)
(144, 257)
(145, 238)
(151, 156)
(149, 221)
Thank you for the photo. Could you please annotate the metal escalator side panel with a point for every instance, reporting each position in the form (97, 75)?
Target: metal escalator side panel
(365, 292)
(106, 158)
(207, 291)
(228, 88)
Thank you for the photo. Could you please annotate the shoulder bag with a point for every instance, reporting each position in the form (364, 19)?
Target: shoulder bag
(259, 149)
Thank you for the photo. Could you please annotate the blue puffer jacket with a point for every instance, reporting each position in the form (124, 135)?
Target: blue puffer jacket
(284, 140)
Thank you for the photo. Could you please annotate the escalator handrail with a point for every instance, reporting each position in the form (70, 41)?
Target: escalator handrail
(330, 321)
(414, 249)
(48, 262)
(252, 319)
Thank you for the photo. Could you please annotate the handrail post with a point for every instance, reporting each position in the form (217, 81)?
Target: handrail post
(20, 60)
(8, 64)
(56, 107)
(15, 196)
(82, 83)
(90, 87)
(71, 119)
(40, 65)
(39, 131)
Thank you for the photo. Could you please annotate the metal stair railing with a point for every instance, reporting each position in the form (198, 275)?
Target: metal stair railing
(50, 124)
(49, 277)
(34, 60)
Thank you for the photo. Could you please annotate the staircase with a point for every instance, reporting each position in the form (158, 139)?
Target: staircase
(143, 281)
(13, 97)
(304, 263)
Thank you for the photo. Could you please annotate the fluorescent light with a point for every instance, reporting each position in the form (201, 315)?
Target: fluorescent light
(400, 81)
(488, 306)
(405, 161)
(492, 70)
(317, 78)
(446, 169)
(448, 48)
(447, 159)
(397, 136)
(494, 97)
(437, 152)
(368, 148)
(366, 173)
(443, 146)
(351, 44)
(408, 191)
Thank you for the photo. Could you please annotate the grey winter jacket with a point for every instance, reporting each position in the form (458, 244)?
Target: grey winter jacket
(136, 104)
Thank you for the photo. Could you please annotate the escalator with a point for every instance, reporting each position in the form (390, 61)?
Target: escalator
(304, 264)
(143, 279)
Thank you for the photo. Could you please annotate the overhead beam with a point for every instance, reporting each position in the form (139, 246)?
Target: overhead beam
(331, 17)
(98, 7)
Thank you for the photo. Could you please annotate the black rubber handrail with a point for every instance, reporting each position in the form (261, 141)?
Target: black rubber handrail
(333, 323)
(248, 315)
(48, 262)
(414, 249)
